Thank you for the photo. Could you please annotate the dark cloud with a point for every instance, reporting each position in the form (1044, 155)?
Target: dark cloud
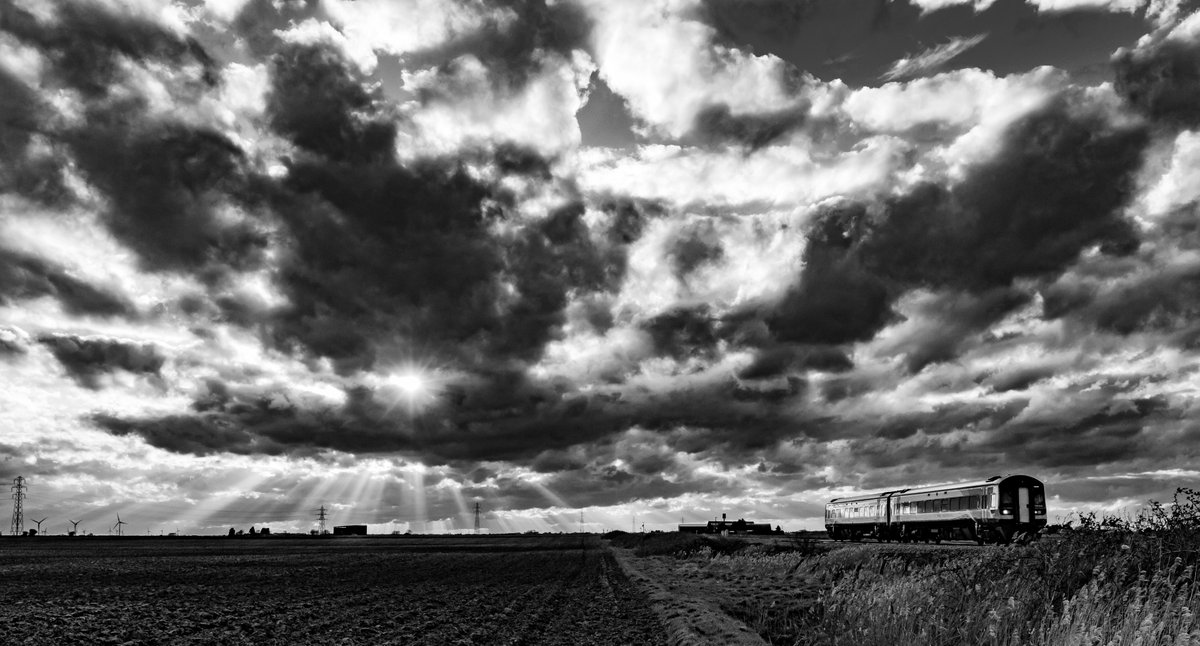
(86, 359)
(838, 299)
(1162, 80)
(1019, 378)
(86, 44)
(36, 176)
(1102, 491)
(167, 184)
(715, 124)
(1094, 432)
(949, 418)
(629, 217)
(495, 418)
(1054, 189)
(943, 325)
(695, 247)
(227, 421)
(781, 359)
(24, 276)
(165, 181)
(515, 159)
(1161, 302)
(383, 250)
(318, 103)
(683, 332)
(197, 435)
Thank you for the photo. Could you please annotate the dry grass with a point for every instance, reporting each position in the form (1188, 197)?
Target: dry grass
(1112, 581)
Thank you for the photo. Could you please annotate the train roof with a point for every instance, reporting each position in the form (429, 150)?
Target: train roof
(932, 488)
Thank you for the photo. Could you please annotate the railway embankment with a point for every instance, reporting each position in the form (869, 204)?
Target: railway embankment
(1107, 580)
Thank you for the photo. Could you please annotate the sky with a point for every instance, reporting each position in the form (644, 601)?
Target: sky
(597, 264)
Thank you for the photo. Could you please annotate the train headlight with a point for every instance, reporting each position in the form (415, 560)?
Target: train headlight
(1005, 512)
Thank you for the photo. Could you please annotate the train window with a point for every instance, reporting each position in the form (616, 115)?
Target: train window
(1039, 498)
(1006, 498)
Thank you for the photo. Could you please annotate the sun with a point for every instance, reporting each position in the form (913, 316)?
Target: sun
(410, 388)
(410, 383)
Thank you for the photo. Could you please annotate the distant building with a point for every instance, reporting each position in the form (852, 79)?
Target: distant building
(723, 526)
(350, 530)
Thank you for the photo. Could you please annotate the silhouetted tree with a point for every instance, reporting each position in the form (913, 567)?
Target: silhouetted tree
(252, 532)
(232, 531)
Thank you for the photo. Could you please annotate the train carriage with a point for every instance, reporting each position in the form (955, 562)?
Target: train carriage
(994, 510)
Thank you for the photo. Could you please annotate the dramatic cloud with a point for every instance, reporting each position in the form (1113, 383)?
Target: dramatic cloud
(1162, 77)
(666, 258)
(86, 359)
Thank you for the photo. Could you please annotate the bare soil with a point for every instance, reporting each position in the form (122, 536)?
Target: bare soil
(541, 590)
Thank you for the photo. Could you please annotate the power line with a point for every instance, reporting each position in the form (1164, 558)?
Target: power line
(18, 518)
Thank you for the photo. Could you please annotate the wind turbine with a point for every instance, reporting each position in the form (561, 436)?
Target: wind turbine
(39, 524)
(118, 525)
(74, 526)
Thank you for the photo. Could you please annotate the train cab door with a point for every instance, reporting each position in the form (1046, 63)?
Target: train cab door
(1023, 510)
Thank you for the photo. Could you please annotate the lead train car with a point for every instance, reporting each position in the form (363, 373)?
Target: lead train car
(992, 510)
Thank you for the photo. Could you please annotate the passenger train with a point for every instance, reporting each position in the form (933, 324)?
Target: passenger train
(994, 510)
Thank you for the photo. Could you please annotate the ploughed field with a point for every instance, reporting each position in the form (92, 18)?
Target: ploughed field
(533, 590)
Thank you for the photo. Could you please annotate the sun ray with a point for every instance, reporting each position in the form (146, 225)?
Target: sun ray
(415, 475)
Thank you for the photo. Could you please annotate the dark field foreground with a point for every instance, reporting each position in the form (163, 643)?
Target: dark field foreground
(394, 590)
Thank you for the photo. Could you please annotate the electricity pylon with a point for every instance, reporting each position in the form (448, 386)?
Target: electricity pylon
(321, 520)
(18, 519)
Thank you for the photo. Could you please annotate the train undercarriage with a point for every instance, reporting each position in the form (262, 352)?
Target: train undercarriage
(935, 532)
